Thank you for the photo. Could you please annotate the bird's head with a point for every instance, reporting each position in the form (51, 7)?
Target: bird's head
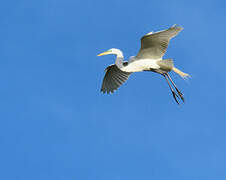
(111, 51)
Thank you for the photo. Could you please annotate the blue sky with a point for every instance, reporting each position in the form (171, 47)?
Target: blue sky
(54, 122)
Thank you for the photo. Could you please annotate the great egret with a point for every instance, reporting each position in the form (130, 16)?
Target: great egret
(149, 58)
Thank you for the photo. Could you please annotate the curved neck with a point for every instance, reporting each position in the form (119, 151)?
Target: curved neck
(119, 60)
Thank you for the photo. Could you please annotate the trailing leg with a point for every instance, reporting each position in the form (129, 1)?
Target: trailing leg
(180, 94)
(175, 96)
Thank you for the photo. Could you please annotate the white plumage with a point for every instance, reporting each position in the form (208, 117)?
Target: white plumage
(141, 65)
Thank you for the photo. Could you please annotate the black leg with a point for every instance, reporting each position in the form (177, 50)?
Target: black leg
(175, 96)
(180, 94)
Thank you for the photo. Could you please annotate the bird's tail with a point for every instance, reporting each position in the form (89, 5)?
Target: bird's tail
(182, 74)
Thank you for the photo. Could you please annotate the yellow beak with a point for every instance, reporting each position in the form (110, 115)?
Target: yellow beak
(104, 53)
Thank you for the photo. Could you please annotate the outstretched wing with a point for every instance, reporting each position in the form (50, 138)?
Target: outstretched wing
(154, 45)
(113, 78)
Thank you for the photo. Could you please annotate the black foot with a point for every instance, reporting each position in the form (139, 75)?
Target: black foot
(180, 94)
(175, 96)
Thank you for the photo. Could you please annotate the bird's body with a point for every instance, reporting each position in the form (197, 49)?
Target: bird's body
(149, 58)
(141, 65)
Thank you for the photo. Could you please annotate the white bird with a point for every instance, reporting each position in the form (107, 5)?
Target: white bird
(149, 58)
